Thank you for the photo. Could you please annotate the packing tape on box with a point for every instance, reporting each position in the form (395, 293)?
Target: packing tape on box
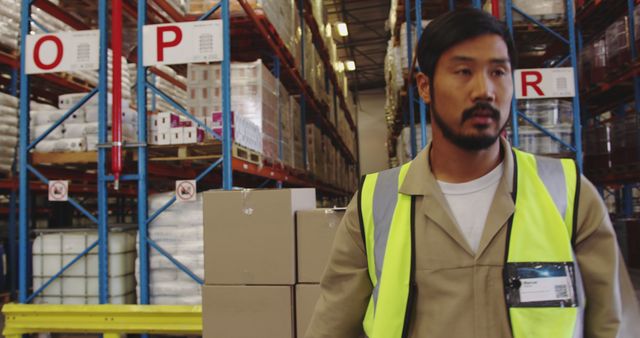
(247, 206)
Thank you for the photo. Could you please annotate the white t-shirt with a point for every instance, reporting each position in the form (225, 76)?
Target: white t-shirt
(470, 203)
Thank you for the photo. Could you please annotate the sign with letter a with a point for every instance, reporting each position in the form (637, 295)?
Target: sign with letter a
(63, 52)
(544, 83)
(186, 42)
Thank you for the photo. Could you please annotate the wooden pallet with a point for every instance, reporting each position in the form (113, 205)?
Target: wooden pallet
(200, 152)
(246, 154)
(185, 152)
(65, 158)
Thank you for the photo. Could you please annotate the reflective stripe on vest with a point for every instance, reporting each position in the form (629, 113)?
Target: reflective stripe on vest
(386, 217)
(545, 200)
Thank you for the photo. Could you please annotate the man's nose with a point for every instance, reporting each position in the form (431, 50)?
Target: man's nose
(483, 89)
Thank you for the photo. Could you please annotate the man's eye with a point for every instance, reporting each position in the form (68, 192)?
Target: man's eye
(499, 72)
(463, 72)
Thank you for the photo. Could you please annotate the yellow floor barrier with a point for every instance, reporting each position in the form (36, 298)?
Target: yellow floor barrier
(110, 320)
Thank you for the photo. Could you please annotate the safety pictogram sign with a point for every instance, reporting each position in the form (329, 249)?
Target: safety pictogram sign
(186, 191)
(58, 191)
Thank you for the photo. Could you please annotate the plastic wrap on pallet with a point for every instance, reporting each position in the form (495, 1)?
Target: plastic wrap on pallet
(178, 231)
(8, 130)
(404, 60)
(617, 41)
(79, 284)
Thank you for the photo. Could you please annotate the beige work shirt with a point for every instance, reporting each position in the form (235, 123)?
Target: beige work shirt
(459, 293)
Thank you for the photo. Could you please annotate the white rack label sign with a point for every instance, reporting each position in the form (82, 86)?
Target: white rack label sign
(544, 83)
(185, 42)
(58, 191)
(63, 52)
(186, 191)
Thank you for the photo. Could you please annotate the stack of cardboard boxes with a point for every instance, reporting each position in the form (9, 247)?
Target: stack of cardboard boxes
(262, 268)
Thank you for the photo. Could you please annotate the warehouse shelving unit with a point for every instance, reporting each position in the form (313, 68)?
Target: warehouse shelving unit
(608, 99)
(253, 28)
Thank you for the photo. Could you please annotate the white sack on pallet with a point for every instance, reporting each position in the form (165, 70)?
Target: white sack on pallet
(176, 300)
(8, 100)
(128, 115)
(163, 275)
(7, 152)
(5, 167)
(41, 117)
(7, 129)
(62, 145)
(33, 105)
(168, 289)
(8, 140)
(6, 110)
(183, 277)
(191, 247)
(55, 134)
(186, 233)
(178, 218)
(9, 120)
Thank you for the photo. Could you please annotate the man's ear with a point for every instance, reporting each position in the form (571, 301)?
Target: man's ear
(423, 83)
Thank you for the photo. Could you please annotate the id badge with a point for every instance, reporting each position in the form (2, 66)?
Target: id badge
(540, 285)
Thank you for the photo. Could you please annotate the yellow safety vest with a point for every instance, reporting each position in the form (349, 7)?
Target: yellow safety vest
(540, 250)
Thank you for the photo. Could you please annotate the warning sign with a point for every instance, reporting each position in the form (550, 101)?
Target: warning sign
(58, 191)
(186, 191)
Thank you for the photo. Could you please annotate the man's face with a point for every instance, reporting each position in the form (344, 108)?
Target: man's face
(471, 92)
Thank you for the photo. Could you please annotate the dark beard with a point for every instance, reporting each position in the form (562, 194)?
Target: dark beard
(470, 143)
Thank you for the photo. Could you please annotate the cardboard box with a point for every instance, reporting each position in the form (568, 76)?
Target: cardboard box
(177, 135)
(193, 135)
(165, 121)
(307, 296)
(316, 230)
(249, 235)
(247, 311)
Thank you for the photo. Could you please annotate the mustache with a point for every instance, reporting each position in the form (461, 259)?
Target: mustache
(479, 107)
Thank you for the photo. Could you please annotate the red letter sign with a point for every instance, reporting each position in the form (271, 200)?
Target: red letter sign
(534, 84)
(36, 52)
(164, 44)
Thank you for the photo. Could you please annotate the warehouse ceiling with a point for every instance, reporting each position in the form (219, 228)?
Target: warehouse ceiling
(367, 41)
(369, 34)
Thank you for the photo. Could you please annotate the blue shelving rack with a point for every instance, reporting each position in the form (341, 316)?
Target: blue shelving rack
(25, 168)
(141, 177)
(145, 243)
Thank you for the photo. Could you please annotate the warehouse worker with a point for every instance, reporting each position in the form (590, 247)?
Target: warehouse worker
(473, 238)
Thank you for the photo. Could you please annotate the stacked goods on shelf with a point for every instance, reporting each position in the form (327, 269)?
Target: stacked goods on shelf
(315, 151)
(542, 10)
(597, 144)
(178, 231)
(554, 116)
(404, 59)
(403, 145)
(284, 139)
(79, 132)
(155, 102)
(625, 143)
(8, 131)
(53, 249)
(10, 24)
(593, 65)
(617, 40)
(296, 125)
(171, 128)
(250, 261)
(253, 95)
(281, 14)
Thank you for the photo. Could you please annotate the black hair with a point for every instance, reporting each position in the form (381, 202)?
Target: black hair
(455, 27)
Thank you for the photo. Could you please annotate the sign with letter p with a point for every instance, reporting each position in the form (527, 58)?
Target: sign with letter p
(185, 42)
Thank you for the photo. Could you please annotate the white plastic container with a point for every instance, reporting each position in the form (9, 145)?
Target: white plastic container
(79, 284)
